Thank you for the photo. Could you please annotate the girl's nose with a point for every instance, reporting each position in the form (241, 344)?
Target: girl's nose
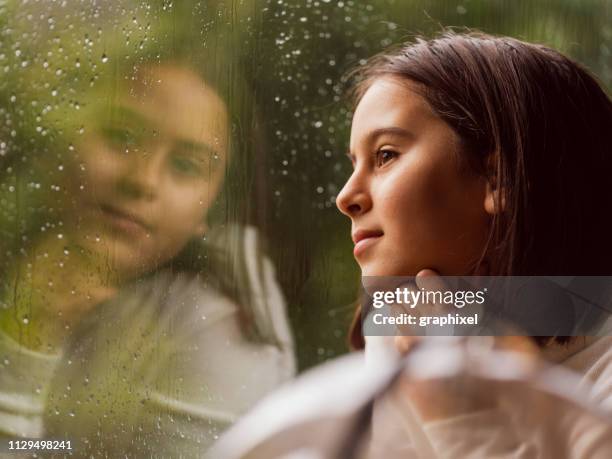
(354, 198)
(143, 176)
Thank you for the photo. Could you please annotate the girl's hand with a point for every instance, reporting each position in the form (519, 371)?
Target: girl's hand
(440, 399)
(406, 342)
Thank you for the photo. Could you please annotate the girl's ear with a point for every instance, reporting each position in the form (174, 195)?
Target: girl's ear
(495, 199)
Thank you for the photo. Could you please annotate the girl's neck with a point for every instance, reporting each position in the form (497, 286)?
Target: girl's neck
(50, 289)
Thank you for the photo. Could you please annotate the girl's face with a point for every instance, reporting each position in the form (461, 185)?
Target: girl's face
(410, 203)
(143, 182)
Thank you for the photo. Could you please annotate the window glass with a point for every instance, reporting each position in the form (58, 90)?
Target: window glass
(170, 246)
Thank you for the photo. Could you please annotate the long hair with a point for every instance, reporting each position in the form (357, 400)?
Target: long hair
(538, 126)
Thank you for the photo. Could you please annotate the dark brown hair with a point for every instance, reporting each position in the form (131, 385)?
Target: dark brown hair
(539, 126)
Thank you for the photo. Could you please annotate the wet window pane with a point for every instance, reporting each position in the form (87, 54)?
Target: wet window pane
(170, 246)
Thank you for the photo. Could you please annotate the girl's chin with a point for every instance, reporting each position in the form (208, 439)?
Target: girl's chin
(387, 271)
(114, 254)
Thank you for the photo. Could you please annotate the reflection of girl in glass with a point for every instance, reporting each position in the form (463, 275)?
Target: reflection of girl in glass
(127, 325)
(481, 155)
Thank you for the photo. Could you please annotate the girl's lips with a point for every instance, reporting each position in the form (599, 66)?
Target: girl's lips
(124, 222)
(364, 243)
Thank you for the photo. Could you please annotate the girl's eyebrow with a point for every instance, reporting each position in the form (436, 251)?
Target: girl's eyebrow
(393, 130)
(128, 115)
(197, 148)
(121, 113)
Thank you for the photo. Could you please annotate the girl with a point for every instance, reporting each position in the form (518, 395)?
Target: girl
(481, 155)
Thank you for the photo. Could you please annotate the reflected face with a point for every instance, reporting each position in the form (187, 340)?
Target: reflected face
(410, 203)
(145, 179)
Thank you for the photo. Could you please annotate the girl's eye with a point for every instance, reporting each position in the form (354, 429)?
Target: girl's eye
(185, 166)
(119, 138)
(384, 156)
